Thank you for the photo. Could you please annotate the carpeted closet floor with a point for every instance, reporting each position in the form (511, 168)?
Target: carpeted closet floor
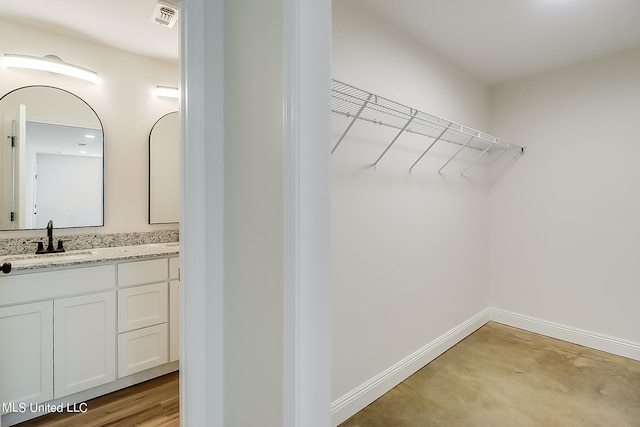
(503, 376)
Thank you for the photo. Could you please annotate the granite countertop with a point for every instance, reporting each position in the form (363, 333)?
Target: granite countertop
(85, 256)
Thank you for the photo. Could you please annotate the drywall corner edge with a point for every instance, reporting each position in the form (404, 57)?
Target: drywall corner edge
(352, 402)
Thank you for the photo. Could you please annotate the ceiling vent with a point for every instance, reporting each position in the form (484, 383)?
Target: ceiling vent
(165, 14)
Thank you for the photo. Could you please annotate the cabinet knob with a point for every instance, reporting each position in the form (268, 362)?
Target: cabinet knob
(6, 268)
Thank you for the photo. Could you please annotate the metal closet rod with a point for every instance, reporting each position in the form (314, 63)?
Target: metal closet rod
(357, 104)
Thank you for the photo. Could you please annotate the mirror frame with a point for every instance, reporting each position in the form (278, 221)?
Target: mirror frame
(103, 153)
(177, 221)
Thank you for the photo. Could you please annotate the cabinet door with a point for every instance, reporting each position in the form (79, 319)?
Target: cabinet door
(142, 349)
(174, 320)
(84, 345)
(26, 354)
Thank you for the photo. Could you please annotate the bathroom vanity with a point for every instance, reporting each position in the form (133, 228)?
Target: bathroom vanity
(85, 323)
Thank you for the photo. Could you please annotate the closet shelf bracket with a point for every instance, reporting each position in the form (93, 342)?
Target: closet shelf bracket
(456, 154)
(413, 116)
(429, 148)
(478, 158)
(355, 117)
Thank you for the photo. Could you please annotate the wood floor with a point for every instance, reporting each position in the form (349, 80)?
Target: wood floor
(153, 403)
(503, 376)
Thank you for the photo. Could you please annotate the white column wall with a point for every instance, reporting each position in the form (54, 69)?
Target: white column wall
(253, 211)
(256, 205)
(565, 233)
(409, 251)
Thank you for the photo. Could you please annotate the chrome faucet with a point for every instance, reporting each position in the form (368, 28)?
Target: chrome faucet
(50, 248)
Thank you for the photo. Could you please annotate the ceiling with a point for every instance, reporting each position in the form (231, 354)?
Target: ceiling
(66, 140)
(495, 40)
(502, 40)
(123, 24)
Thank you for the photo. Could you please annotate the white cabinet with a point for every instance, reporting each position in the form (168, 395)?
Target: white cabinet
(53, 342)
(142, 349)
(174, 309)
(142, 306)
(84, 345)
(43, 285)
(139, 272)
(143, 335)
(26, 362)
(174, 268)
(174, 320)
(65, 331)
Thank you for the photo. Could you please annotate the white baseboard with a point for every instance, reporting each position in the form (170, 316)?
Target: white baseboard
(357, 399)
(578, 336)
(361, 396)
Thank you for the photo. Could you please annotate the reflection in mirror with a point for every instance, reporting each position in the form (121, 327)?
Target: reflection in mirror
(164, 179)
(53, 167)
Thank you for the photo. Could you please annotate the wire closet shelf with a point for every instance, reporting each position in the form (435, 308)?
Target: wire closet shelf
(356, 104)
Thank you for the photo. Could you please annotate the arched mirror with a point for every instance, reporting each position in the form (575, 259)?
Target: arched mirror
(164, 178)
(51, 161)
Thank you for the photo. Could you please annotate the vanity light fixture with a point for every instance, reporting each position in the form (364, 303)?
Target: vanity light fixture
(50, 63)
(169, 92)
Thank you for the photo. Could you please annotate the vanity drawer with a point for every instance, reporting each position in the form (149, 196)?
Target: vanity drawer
(142, 306)
(140, 272)
(142, 349)
(52, 284)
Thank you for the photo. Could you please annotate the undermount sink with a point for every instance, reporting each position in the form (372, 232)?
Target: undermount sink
(57, 258)
(69, 255)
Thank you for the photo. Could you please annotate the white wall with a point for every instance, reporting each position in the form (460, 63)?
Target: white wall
(410, 258)
(370, 53)
(564, 220)
(123, 100)
(255, 247)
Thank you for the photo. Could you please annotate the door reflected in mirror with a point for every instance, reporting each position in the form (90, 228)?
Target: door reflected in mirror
(53, 167)
(164, 178)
